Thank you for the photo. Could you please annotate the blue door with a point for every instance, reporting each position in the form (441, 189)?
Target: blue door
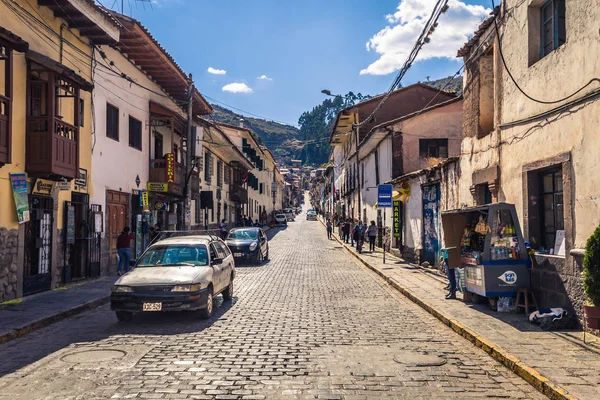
(431, 223)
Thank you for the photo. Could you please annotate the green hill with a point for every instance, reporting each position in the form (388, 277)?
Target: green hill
(272, 134)
(454, 85)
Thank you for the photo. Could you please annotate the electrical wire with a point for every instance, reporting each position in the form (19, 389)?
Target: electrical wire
(517, 84)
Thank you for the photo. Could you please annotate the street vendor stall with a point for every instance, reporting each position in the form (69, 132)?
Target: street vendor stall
(487, 242)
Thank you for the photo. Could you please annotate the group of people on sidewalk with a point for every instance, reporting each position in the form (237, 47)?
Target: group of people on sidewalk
(360, 231)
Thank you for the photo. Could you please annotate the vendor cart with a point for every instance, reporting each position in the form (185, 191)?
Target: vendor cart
(487, 242)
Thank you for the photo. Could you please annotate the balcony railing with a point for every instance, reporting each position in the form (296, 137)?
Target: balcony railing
(52, 148)
(158, 173)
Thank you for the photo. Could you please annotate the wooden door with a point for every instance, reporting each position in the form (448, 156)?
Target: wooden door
(117, 214)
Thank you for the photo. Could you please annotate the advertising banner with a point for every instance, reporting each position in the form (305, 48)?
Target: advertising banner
(170, 167)
(19, 188)
(396, 219)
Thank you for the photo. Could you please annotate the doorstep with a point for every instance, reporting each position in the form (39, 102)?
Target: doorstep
(558, 364)
(40, 310)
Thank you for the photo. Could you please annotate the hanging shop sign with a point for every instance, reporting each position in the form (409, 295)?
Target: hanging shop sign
(158, 187)
(19, 188)
(396, 219)
(43, 186)
(384, 196)
(81, 179)
(170, 167)
(161, 206)
(144, 199)
(70, 223)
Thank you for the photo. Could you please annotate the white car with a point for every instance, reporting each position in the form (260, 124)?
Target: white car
(176, 274)
(289, 213)
(311, 216)
(281, 219)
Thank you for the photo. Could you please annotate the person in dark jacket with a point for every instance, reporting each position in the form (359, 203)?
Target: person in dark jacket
(124, 249)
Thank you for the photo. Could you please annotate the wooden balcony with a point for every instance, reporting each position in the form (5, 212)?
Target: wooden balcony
(158, 174)
(238, 193)
(52, 148)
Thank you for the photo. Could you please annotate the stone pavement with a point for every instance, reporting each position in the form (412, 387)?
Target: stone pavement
(39, 310)
(555, 362)
(311, 323)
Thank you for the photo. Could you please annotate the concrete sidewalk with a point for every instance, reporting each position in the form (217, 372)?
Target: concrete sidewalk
(558, 364)
(17, 318)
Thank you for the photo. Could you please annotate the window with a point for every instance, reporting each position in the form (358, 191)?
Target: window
(158, 145)
(261, 191)
(135, 133)
(112, 122)
(227, 174)
(197, 212)
(553, 26)
(433, 148)
(5, 104)
(207, 167)
(176, 152)
(552, 207)
(81, 112)
(219, 173)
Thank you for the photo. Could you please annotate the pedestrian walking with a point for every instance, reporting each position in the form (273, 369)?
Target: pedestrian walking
(346, 231)
(257, 224)
(223, 229)
(352, 232)
(124, 249)
(372, 234)
(329, 229)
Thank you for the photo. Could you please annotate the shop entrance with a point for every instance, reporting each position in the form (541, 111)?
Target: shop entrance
(117, 210)
(431, 223)
(37, 276)
(79, 248)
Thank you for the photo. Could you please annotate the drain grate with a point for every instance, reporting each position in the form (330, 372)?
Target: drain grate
(93, 356)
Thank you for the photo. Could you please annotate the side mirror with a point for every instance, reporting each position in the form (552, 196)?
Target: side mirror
(217, 261)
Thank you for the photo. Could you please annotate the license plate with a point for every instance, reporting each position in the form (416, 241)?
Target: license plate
(238, 254)
(152, 307)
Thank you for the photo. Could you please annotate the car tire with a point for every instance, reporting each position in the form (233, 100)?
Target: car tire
(228, 293)
(124, 316)
(259, 257)
(206, 312)
(267, 256)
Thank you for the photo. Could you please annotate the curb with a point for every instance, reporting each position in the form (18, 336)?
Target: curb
(49, 320)
(529, 374)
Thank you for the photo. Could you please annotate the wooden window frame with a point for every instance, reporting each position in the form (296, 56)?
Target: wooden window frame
(432, 143)
(554, 172)
(133, 146)
(7, 98)
(118, 122)
(557, 41)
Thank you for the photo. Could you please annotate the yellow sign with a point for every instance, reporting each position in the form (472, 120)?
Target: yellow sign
(170, 167)
(144, 199)
(158, 187)
(43, 186)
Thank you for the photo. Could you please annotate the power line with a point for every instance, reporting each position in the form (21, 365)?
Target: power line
(248, 112)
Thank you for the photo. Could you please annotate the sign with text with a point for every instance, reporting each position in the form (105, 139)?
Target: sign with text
(396, 219)
(62, 186)
(81, 179)
(43, 186)
(144, 199)
(161, 206)
(158, 187)
(384, 196)
(70, 223)
(19, 188)
(170, 167)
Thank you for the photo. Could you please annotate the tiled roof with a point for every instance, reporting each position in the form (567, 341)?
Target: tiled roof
(466, 49)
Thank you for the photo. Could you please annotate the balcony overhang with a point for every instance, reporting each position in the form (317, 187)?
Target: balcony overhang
(13, 41)
(59, 69)
(93, 22)
(342, 128)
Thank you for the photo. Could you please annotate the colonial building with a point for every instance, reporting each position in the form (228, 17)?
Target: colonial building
(140, 133)
(46, 140)
(535, 144)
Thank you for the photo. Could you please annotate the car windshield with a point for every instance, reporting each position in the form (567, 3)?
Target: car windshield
(175, 255)
(287, 211)
(311, 212)
(243, 234)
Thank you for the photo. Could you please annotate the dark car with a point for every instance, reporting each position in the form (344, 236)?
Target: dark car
(248, 244)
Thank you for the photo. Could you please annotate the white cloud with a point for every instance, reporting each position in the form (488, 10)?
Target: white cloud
(216, 71)
(264, 78)
(394, 42)
(237, 87)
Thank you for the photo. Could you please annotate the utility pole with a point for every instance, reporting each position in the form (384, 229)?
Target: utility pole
(187, 201)
(356, 128)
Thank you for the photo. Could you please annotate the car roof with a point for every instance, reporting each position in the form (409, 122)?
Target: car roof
(280, 215)
(191, 239)
(252, 228)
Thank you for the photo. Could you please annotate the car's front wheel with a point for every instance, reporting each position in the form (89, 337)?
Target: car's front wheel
(207, 311)
(228, 293)
(259, 257)
(124, 316)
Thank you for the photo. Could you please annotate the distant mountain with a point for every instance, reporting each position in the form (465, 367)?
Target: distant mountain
(272, 134)
(454, 85)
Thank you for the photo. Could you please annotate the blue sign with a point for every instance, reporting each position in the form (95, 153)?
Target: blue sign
(384, 196)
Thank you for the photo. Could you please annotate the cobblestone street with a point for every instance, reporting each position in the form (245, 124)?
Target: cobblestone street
(310, 323)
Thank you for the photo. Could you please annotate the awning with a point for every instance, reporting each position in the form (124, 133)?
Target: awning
(60, 69)
(160, 111)
(13, 41)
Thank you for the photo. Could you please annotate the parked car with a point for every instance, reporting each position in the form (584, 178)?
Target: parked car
(311, 216)
(248, 244)
(299, 210)
(281, 219)
(176, 274)
(289, 214)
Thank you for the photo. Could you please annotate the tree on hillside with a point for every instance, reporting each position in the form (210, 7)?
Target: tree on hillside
(316, 126)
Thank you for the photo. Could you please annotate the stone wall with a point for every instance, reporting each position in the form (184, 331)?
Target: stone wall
(8, 263)
(557, 282)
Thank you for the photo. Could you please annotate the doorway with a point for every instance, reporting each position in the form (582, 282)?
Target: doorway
(117, 204)
(431, 223)
(77, 255)
(37, 276)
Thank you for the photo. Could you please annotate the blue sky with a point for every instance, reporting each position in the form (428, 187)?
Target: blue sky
(302, 47)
